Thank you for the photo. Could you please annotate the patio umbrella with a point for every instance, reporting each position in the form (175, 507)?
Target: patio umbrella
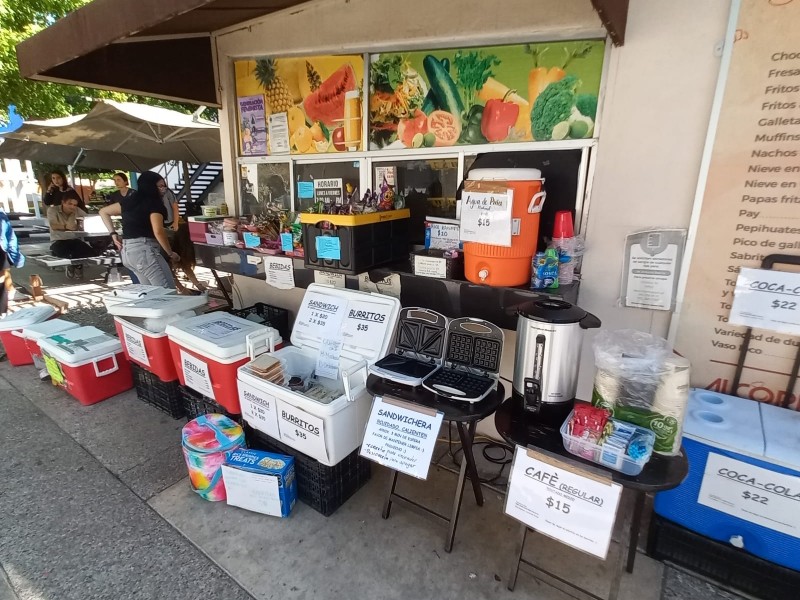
(56, 154)
(130, 129)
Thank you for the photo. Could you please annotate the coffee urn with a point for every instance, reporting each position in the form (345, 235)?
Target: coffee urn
(547, 358)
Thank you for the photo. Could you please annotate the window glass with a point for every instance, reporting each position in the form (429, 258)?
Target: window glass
(306, 174)
(264, 186)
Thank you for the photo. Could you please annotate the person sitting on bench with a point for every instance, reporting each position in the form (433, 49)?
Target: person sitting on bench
(63, 219)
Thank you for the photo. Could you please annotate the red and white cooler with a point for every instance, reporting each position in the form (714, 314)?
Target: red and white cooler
(134, 291)
(90, 364)
(12, 327)
(141, 328)
(208, 349)
(34, 333)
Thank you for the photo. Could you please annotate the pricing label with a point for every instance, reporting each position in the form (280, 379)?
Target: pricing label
(302, 431)
(196, 375)
(326, 277)
(321, 316)
(401, 436)
(752, 493)
(259, 409)
(573, 506)
(280, 272)
(767, 299)
(258, 492)
(328, 358)
(486, 217)
(134, 344)
(365, 324)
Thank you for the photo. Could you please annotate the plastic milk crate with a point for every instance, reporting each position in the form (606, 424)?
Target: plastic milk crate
(275, 317)
(321, 487)
(195, 404)
(164, 395)
(362, 242)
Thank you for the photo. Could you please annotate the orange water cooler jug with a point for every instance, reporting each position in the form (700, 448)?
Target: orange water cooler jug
(502, 265)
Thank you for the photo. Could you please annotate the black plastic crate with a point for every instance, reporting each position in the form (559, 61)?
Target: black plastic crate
(362, 247)
(195, 404)
(272, 316)
(729, 566)
(164, 395)
(321, 487)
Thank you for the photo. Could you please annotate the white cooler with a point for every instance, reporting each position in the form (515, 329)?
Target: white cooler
(208, 349)
(327, 432)
(134, 291)
(141, 327)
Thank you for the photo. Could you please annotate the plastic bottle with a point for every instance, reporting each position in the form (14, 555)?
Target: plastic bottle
(545, 270)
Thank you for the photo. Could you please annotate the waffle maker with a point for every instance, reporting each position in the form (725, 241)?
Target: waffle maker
(418, 350)
(472, 361)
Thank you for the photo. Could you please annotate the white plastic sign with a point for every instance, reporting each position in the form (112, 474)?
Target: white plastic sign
(328, 278)
(365, 324)
(767, 300)
(258, 492)
(401, 436)
(751, 493)
(280, 272)
(330, 352)
(259, 409)
(430, 266)
(301, 430)
(134, 344)
(575, 507)
(196, 374)
(486, 217)
(321, 315)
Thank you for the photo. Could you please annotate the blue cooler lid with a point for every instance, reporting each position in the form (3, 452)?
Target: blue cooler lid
(212, 433)
(724, 421)
(781, 434)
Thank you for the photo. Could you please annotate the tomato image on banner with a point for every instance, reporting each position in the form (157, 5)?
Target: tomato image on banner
(320, 97)
(498, 94)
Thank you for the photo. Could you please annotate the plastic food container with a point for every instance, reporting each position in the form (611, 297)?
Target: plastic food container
(206, 442)
(36, 332)
(147, 348)
(134, 291)
(326, 430)
(208, 349)
(88, 363)
(11, 331)
(500, 265)
(606, 455)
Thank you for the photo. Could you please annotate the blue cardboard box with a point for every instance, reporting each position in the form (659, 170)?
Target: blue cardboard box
(263, 482)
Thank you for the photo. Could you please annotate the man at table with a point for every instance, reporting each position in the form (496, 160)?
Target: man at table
(63, 220)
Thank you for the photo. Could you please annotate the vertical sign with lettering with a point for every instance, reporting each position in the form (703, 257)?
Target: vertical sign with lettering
(751, 205)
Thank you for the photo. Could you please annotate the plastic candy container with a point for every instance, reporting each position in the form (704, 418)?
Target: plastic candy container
(206, 442)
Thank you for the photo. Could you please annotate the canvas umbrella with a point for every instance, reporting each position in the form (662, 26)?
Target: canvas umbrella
(56, 154)
(130, 129)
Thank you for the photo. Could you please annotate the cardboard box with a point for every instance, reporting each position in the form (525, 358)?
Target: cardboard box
(260, 481)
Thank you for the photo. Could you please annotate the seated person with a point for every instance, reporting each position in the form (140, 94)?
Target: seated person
(62, 219)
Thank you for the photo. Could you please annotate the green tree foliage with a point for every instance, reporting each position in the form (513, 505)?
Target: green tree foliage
(19, 20)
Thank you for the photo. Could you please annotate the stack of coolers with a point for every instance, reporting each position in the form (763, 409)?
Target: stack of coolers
(206, 352)
(141, 326)
(309, 400)
(743, 490)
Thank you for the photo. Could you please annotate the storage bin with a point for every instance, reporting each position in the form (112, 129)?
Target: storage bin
(202, 227)
(365, 241)
(433, 263)
(608, 456)
(11, 331)
(195, 404)
(756, 441)
(134, 291)
(323, 488)
(326, 430)
(206, 442)
(163, 395)
(150, 349)
(88, 363)
(33, 333)
(275, 317)
(501, 265)
(208, 349)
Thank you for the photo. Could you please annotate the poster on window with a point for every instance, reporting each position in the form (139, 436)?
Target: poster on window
(252, 125)
(496, 94)
(320, 95)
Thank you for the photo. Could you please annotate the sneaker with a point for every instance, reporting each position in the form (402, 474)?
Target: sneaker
(70, 272)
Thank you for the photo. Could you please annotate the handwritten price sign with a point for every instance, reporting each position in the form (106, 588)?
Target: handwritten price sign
(767, 299)
(486, 216)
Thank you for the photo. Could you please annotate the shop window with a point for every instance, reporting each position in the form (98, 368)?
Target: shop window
(264, 187)
(306, 173)
(428, 186)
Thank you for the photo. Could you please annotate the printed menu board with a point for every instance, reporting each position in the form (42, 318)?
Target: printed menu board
(751, 206)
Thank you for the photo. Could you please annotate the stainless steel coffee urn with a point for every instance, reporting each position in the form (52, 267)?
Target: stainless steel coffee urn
(547, 358)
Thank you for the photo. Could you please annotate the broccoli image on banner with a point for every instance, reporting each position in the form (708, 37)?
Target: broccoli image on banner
(552, 109)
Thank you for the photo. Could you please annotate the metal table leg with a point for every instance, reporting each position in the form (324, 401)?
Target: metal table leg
(387, 504)
(620, 562)
(222, 288)
(512, 576)
(462, 474)
(636, 523)
(466, 436)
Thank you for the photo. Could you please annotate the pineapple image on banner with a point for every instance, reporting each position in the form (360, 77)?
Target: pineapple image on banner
(320, 95)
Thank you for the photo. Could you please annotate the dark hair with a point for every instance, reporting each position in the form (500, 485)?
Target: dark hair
(67, 197)
(122, 176)
(58, 172)
(147, 185)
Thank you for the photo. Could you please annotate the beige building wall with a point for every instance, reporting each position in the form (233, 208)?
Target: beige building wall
(658, 95)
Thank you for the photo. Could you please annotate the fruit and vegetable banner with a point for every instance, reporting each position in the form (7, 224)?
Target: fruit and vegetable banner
(497, 94)
(321, 97)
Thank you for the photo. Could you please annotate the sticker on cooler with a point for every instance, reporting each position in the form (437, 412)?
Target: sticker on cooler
(216, 330)
(301, 430)
(196, 374)
(134, 344)
(259, 409)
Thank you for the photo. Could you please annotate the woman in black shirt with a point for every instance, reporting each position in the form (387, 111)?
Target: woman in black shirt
(121, 181)
(143, 232)
(59, 190)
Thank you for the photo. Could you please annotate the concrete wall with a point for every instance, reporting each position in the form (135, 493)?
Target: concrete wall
(658, 96)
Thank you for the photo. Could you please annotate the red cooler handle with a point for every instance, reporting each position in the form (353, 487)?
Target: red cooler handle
(113, 369)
